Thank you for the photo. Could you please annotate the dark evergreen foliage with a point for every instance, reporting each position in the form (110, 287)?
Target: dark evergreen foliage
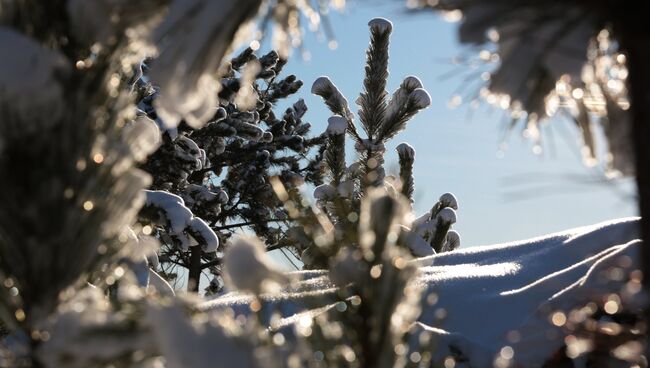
(222, 169)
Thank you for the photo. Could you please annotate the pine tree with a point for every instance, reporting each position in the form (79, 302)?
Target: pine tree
(69, 291)
(220, 171)
(381, 119)
(360, 232)
(70, 141)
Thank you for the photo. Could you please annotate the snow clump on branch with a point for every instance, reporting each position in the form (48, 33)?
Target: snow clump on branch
(336, 125)
(247, 267)
(406, 150)
(420, 98)
(30, 80)
(171, 209)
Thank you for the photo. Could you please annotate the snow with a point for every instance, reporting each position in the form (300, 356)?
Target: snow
(322, 85)
(421, 220)
(248, 267)
(267, 137)
(519, 282)
(421, 98)
(193, 40)
(324, 191)
(324, 88)
(381, 25)
(176, 213)
(81, 338)
(346, 188)
(418, 246)
(203, 194)
(31, 81)
(452, 241)
(448, 200)
(369, 144)
(208, 239)
(100, 22)
(444, 216)
(159, 284)
(405, 149)
(187, 151)
(246, 130)
(181, 221)
(247, 97)
(142, 137)
(186, 344)
(447, 216)
(401, 96)
(89, 330)
(336, 125)
(354, 169)
(411, 82)
(485, 292)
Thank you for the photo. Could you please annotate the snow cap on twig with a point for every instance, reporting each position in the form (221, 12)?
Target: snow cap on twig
(448, 200)
(420, 98)
(336, 125)
(380, 25)
(322, 85)
(453, 241)
(411, 82)
(248, 267)
(406, 150)
(447, 216)
(324, 191)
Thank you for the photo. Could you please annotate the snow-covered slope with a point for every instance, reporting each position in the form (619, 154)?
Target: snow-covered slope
(489, 297)
(487, 292)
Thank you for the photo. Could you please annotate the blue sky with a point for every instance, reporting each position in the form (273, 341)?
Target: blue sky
(505, 197)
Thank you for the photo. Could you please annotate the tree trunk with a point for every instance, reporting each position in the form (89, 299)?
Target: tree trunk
(195, 269)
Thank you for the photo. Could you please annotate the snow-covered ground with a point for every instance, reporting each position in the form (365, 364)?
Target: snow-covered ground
(482, 299)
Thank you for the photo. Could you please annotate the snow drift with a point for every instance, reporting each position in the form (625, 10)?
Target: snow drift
(481, 299)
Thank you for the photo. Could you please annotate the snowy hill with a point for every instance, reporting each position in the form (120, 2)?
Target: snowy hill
(517, 295)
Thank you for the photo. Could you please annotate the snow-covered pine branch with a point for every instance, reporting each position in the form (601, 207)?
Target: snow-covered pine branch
(196, 35)
(169, 210)
(406, 154)
(372, 101)
(335, 101)
(340, 199)
(380, 119)
(221, 170)
(434, 226)
(248, 269)
(335, 152)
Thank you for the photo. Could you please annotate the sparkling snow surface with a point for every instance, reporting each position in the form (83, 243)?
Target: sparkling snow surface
(485, 292)
(492, 290)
